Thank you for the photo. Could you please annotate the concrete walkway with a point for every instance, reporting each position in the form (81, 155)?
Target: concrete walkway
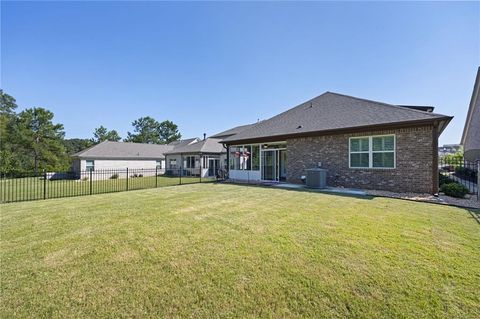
(329, 189)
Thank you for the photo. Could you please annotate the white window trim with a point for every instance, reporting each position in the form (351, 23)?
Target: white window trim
(90, 166)
(370, 152)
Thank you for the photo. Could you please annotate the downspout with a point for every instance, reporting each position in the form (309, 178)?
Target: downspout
(435, 158)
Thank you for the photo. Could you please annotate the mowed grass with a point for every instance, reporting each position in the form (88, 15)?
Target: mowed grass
(34, 188)
(216, 250)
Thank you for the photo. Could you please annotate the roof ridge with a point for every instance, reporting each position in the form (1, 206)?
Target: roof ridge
(87, 149)
(383, 103)
(293, 108)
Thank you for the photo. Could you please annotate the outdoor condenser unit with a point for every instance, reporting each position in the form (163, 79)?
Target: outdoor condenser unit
(316, 178)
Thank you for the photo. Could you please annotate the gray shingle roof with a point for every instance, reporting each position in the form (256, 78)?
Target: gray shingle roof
(232, 131)
(183, 142)
(123, 150)
(209, 145)
(332, 111)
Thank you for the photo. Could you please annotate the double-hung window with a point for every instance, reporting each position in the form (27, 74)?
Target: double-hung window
(90, 165)
(372, 151)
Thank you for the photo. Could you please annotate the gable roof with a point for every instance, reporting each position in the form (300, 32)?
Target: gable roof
(334, 112)
(184, 142)
(471, 131)
(124, 150)
(209, 145)
(232, 131)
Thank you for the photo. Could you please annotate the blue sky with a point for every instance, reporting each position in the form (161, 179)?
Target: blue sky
(211, 66)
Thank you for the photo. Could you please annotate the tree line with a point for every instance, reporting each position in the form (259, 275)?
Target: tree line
(31, 141)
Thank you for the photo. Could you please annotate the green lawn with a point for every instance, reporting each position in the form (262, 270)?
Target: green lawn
(32, 188)
(216, 250)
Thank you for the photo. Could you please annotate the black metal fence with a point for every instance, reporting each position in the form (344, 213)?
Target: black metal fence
(16, 187)
(457, 169)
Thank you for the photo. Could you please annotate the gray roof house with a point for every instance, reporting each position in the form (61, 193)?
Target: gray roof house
(206, 158)
(120, 155)
(471, 131)
(362, 144)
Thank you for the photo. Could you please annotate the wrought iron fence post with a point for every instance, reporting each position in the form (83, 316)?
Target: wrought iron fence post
(156, 176)
(91, 181)
(127, 179)
(44, 184)
(181, 172)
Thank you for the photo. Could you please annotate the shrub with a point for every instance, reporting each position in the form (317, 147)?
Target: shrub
(455, 190)
(443, 179)
(85, 179)
(114, 176)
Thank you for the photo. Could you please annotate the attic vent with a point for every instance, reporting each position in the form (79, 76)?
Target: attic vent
(299, 127)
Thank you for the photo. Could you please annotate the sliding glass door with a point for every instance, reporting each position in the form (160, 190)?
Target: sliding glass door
(274, 165)
(269, 165)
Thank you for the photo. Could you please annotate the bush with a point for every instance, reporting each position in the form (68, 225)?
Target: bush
(443, 179)
(85, 179)
(114, 176)
(454, 190)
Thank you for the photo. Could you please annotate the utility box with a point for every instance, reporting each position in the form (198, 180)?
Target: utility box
(316, 178)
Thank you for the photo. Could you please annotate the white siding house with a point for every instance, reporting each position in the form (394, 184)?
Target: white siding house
(117, 156)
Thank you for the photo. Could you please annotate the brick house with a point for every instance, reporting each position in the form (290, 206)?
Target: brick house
(362, 143)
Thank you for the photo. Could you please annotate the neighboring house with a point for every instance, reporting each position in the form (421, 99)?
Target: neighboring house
(471, 131)
(449, 149)
(203, 158)
(362, 143)
(121, 155)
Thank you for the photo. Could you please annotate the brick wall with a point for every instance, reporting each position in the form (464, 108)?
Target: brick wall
(414, 160)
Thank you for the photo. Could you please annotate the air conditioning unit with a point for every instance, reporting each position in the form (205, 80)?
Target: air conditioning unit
(316, 178)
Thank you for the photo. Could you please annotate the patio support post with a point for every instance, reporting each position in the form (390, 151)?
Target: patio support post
(181, 168)
(227, 168)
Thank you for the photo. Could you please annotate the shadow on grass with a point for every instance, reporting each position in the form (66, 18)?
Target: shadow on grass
(475, 214)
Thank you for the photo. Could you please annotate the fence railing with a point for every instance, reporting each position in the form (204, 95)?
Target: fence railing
(16, 187)
(459, 170)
